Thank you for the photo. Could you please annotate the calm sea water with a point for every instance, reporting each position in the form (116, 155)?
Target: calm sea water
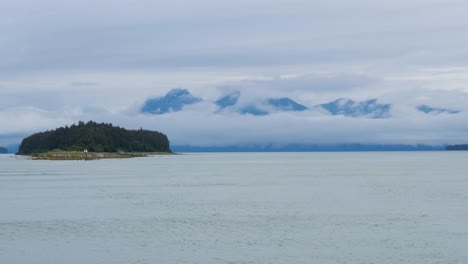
(237, 208)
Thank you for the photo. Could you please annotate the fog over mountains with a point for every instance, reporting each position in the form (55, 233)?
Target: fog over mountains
(176, 99)
(257, 115)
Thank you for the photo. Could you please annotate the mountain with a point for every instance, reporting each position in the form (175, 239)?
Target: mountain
(283, 104)
(3, 150)
(95, 137)
(286, 104)
(347, 107)
(261, 108)
(173, 101)
(228, 100)
(252, 110)
(433, 110)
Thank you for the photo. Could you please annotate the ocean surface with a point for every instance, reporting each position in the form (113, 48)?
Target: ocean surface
(363, 207)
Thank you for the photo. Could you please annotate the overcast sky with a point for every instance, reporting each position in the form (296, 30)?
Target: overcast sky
(65, 61)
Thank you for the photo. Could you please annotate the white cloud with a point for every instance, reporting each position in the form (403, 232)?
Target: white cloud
(199, 126)
(29, 119)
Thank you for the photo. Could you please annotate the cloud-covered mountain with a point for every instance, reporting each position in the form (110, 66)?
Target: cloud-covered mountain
(176, 99)
(173, 101)
(433, 110)
(252, 110)
(228, 100)
(285, 104)
(262, 108)
(258, 108)
(347, 107)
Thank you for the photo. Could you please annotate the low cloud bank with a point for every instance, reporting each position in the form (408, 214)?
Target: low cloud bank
(204, 128)
(24, 112)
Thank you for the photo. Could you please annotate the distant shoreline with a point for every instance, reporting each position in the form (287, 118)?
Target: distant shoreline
(306, 148)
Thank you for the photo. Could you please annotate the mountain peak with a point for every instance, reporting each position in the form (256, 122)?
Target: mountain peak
(260, 108)
(173, 101)
(347, 107)
(228, 100)
(286, 104)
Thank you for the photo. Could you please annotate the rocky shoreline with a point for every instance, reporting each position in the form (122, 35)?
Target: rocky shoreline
(54, 155)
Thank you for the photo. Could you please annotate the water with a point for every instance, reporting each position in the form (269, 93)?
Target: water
(237, 208)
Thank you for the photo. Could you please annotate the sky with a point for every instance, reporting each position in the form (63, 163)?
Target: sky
(65, 61)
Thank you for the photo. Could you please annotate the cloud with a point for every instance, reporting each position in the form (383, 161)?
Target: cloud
(202, 124)
(99, 36)
(21, 119)
(83, 83)
(201, 127)
(314, 129)
(311, 88)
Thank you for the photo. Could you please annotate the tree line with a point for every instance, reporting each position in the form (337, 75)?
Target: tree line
(457, 147)
(95, 137)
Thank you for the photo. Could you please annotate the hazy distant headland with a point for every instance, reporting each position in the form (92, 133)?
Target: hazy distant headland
(457, 147)
(97, 140)
(3, 150)
(306, 148)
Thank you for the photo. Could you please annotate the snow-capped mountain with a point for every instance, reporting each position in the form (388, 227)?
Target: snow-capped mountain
(347, 107)
(173, 101)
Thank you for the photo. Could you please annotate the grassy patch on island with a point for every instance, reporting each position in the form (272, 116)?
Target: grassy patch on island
(80, 155)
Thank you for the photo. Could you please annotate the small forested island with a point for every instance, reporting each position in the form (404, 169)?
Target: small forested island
(93, 140)
(3, 150)
(457, 147)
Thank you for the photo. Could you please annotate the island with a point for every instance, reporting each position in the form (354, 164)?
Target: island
(457, 147)
(3, 150)
(92, 141)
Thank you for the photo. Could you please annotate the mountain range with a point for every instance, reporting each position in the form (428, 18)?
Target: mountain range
(176, 99)
(264, 107)
(347, 107)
